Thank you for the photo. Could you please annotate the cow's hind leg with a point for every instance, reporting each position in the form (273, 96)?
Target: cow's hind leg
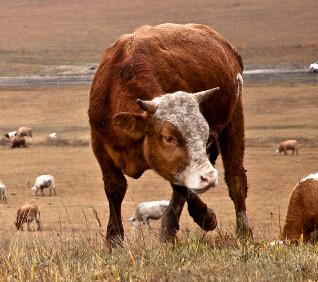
(115, 186)
(232, 147)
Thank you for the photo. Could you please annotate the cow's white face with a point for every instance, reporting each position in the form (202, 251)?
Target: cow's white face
(175, 136)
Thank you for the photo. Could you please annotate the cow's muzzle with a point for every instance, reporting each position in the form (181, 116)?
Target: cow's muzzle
(203, 181)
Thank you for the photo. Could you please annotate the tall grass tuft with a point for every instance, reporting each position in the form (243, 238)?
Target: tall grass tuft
(68, 257)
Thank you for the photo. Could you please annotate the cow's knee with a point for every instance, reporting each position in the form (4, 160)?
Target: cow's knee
(201, 214)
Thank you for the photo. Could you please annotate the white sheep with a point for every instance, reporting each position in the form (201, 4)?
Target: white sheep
(149, 210)
(53, 136)
(3, 196)
(42, 182)
(10, 134)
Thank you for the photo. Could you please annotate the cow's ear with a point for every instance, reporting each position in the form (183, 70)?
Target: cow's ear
(132, 124)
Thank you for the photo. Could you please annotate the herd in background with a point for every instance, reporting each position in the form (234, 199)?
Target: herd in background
(27, 213)
(301, 219)
(17, 138)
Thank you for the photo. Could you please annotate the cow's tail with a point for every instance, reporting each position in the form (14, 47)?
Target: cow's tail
(240, 83)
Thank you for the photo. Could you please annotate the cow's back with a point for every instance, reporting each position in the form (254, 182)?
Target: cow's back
(156, 60)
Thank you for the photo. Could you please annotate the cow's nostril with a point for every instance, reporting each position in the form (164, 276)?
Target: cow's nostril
(209, 177)
(204, 178)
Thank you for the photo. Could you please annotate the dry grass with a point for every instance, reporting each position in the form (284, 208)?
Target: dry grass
(83, 257)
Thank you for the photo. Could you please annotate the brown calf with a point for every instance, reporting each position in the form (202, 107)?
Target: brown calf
(149, 110)
(26, 214)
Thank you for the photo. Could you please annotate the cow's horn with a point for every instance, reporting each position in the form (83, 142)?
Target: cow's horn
(203, 95)
(148, 106)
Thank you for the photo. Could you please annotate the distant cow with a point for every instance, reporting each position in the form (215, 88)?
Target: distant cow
(288, 145)
(10, 134)
(149, 210)
(42, 182)
(3, 196)
(17, 142)
(302, 213)
(25, 131)
(162, 98)
(26, 214)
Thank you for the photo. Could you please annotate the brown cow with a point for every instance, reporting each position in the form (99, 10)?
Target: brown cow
(143, 115)
(26, 214)
(302, 213)
(18, 141)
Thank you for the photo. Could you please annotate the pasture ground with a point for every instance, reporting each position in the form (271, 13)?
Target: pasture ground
(39, 36)
(272, 113)
(71, 245)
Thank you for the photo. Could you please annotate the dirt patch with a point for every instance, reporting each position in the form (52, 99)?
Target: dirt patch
(51, 33)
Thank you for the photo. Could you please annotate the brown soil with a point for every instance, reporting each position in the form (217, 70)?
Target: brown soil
(35, 33)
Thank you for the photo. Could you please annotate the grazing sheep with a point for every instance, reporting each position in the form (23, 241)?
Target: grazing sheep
(302, 214)
(149, 210)
(3, 196)
(26, 214)
(288, 145)
(17, 142)
(42, 182)
(10, 134)
(52, 136)
(25, 131)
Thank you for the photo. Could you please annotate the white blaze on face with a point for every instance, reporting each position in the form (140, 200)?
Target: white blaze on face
(182, 110)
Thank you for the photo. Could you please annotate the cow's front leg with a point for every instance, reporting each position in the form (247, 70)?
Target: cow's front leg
(198, 210)
(170, 220)
(115, 186)
(201, 214)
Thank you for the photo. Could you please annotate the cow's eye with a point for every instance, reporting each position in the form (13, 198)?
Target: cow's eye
(170, 140)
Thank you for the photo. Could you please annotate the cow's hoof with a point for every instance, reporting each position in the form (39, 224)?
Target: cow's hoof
(168, 234)
(114, 242)
(244, 232)
(207, 221)
(243, 229)
(114, 237)
(169, 227)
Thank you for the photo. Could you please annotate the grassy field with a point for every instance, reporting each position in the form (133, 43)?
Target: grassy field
(143, 258)
(47, 37)
(37, 36)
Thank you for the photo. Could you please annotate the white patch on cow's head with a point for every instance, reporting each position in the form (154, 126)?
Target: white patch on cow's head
(313, 176)
(182, 110)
